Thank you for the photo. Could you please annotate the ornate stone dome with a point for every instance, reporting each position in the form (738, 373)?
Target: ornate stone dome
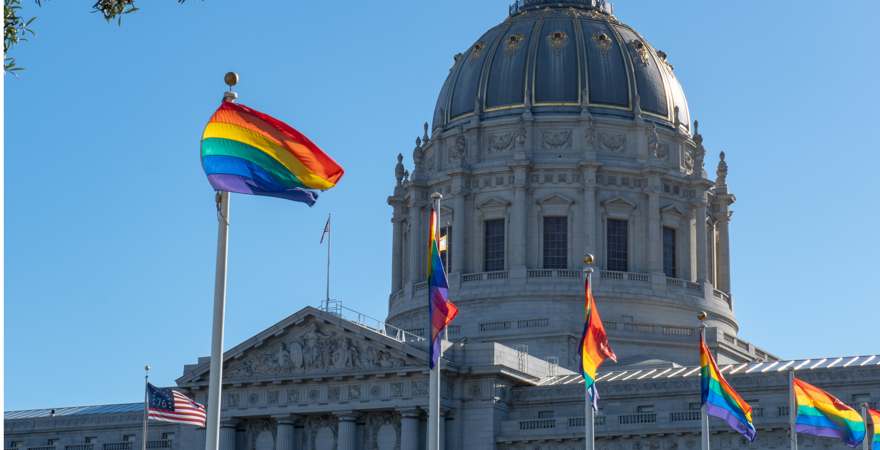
(561, 57)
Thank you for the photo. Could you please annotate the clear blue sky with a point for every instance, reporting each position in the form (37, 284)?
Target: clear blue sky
(110, 226)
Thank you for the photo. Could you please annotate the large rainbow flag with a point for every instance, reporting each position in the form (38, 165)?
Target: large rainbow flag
(875, 425)
(822, 414)
(594, 349)
(720, 399)
(246, 151)
(441, 311)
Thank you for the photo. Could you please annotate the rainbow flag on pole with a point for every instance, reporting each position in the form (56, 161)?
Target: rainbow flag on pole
(441, 310)
(822, 414)
(246, 151)
(594, 347)
(875, 429)
(720, 399)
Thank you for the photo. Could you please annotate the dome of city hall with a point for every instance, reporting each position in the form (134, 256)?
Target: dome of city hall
(558, 57)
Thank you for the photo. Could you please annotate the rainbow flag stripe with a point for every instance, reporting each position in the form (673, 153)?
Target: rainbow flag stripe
(875, 425)
(594, 349)
(822, 414)
(441, 311)
(720, 399)
(246, 151)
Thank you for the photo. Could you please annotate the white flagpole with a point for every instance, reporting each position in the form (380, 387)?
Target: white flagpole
(704, 413)
(212, 427)
(792, 411)
(327, 291)
(146, 406)
(434, 379)
(589, 414)
(866, 443)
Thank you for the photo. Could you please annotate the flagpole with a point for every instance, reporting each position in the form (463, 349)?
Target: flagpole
(866, 443)
(589, 414)
(704, 413)
(146, 406)
(434, 379)
(792, 411)
(212, 427)
(327, 291)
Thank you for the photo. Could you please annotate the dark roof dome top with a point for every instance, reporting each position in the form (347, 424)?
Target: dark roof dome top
(525, 5)
(559, 57)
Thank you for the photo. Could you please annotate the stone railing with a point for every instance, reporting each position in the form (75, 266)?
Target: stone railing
(637, 419)
(483, 276)
(555, 274)
(117, 446)
(724, 297)
(80, 447)
(161, 443)
(647, 328)
(684, 416)
(42, 447)
(336, 308)
(625, 276)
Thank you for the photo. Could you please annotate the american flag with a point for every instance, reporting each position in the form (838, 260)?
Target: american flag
(168, 405)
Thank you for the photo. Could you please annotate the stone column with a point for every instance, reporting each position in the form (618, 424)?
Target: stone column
(723, 258)
(409, 429)
(519, 220)
(284, 439)
(702, 242)
(347, 431)
(227, 434)
(396, 253)
(712, 256)
(590, 215)
(655, 239)
(458, 226)
(415, 240)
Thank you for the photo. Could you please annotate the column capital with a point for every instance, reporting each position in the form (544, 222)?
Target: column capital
(285, 419)
(413, 412)
(347, 416)
(230, 422)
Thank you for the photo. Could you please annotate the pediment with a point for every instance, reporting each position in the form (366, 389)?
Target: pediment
(619, 202)
(311, 343)
(672, 210)
(494, 202)
(555, 200)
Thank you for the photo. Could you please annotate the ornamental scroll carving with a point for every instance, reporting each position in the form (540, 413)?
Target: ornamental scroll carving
(558, 139)
(313, 349)
(612, 142)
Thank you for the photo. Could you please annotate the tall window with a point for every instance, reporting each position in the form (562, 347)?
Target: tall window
(556, 242)
(445, 244)
(618, 245)
(493, 251)
(669, 263)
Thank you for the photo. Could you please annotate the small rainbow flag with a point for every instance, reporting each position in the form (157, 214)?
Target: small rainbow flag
(440, 309)
(594, 347)
(822, 414)
(875, 425)
(720, 399)
(246, 151)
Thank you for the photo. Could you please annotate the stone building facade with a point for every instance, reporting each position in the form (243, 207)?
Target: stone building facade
(559, 132)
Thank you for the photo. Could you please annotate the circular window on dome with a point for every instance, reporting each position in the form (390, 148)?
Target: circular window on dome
(514, 41)
(477, 50)
(603, 41)
(557, 39)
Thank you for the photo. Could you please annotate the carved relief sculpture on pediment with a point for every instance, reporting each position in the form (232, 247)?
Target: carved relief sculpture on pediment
(313, 349)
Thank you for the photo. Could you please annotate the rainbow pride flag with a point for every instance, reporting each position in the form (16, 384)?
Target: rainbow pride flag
(594, 347)
(875, 425)
(822, 414)
(720, 399)
(248, 152)
(441, 311)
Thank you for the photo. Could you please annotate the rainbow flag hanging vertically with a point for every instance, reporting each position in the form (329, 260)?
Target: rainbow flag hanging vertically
(594, 349)
(720, 399)
(441, 311)
(822, 414)
(874, 415)
(248, 152)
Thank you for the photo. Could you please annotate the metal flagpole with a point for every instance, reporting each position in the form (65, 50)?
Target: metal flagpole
(146, 406)
(866, 443)
(589, 413)
(792, 411)
(327, 291)
(434, 379)
(704, 414)
(212, 428)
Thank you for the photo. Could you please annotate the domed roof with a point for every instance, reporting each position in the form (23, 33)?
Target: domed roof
(558, 57)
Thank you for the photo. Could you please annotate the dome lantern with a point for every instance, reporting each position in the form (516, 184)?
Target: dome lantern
(603, 6)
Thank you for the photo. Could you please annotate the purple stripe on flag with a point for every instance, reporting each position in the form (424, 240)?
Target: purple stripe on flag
(733, 420)
(819, 431)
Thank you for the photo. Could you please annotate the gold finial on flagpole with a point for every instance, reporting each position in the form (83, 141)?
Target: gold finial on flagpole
(231, 79)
